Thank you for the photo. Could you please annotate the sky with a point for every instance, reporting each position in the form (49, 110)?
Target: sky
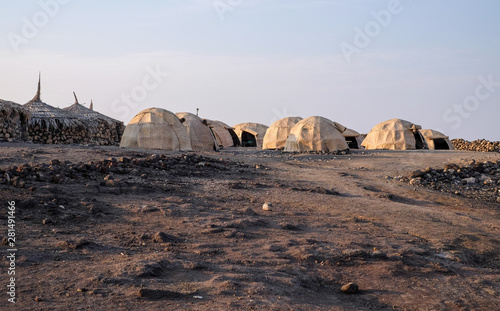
(434, 63)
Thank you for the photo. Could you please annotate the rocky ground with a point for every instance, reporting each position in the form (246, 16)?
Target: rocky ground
(104, 228)
(480, 181)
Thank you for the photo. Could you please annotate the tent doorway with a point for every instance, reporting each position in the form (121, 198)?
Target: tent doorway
(236, 140)
(352, 142)
(441, 144)
(248, 140)
(419, 140)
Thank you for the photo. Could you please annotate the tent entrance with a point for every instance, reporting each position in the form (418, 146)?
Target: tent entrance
(352, 142)
(236, 140)
(441, 144)
(248, 140)
(419, 140)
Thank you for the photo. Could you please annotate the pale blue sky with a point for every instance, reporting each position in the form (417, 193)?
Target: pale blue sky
(263, 60)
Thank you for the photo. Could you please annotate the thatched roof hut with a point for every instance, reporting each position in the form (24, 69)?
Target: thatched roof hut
(52, 125)
(13, 121)
(103, 129)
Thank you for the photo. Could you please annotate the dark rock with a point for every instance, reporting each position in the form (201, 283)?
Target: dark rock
(350, 288)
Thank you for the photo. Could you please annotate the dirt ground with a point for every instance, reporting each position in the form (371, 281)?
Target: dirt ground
(185, 231)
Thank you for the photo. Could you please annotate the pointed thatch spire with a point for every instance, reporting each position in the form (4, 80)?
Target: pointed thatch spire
(37, 96)
(91, 105)
(76, 99)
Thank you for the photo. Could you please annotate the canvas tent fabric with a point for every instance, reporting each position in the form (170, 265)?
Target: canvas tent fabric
(436, 140)
(224, 134)
(52, 125)
(251, 134)
(315, 134)
(103, 129)
(353, 138)
(13, 121)
(199, 132)
(156, 128)
(395, 134)
(277, 133)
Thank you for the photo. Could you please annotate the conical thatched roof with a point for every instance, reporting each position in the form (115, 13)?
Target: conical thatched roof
(87, 114)
(52, 116)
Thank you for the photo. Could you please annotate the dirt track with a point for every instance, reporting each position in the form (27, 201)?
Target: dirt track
(190, 233)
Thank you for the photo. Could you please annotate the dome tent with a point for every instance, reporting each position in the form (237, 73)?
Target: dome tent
(436, 140)
(13, 121)
(395, 134)
(251, 134)
(224, 134)
(156, 128)
(277, 133)
(315, 134)
(52, 125)
(199, 133)
(103, 129)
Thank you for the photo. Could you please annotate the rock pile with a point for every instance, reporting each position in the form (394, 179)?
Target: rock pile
(105, 133)
(103, 130)
(481, 145)
(480, 181)
(57, 133)
(102, 172)
(13, 121)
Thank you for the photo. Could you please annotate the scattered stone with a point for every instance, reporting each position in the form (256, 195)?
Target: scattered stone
(148, 269)
(477, 180)
(47, 221)
(267, 206)
(162, 237)
(350, 288)
(38, 299)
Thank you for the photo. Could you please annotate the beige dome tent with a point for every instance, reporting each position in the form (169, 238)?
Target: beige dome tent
(156, 128)
(199, 132)
(224, 134)
(13, 121)
(395, 134)
(103, 129)
(251, 134)
(277, 133)
(315, 134)
(436, 140)
(353, 138)
(51, 125)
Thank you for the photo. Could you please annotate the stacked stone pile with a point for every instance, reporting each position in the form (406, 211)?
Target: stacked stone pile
(13, 121)
(480, 181)
(103, 130)
(481, 145)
